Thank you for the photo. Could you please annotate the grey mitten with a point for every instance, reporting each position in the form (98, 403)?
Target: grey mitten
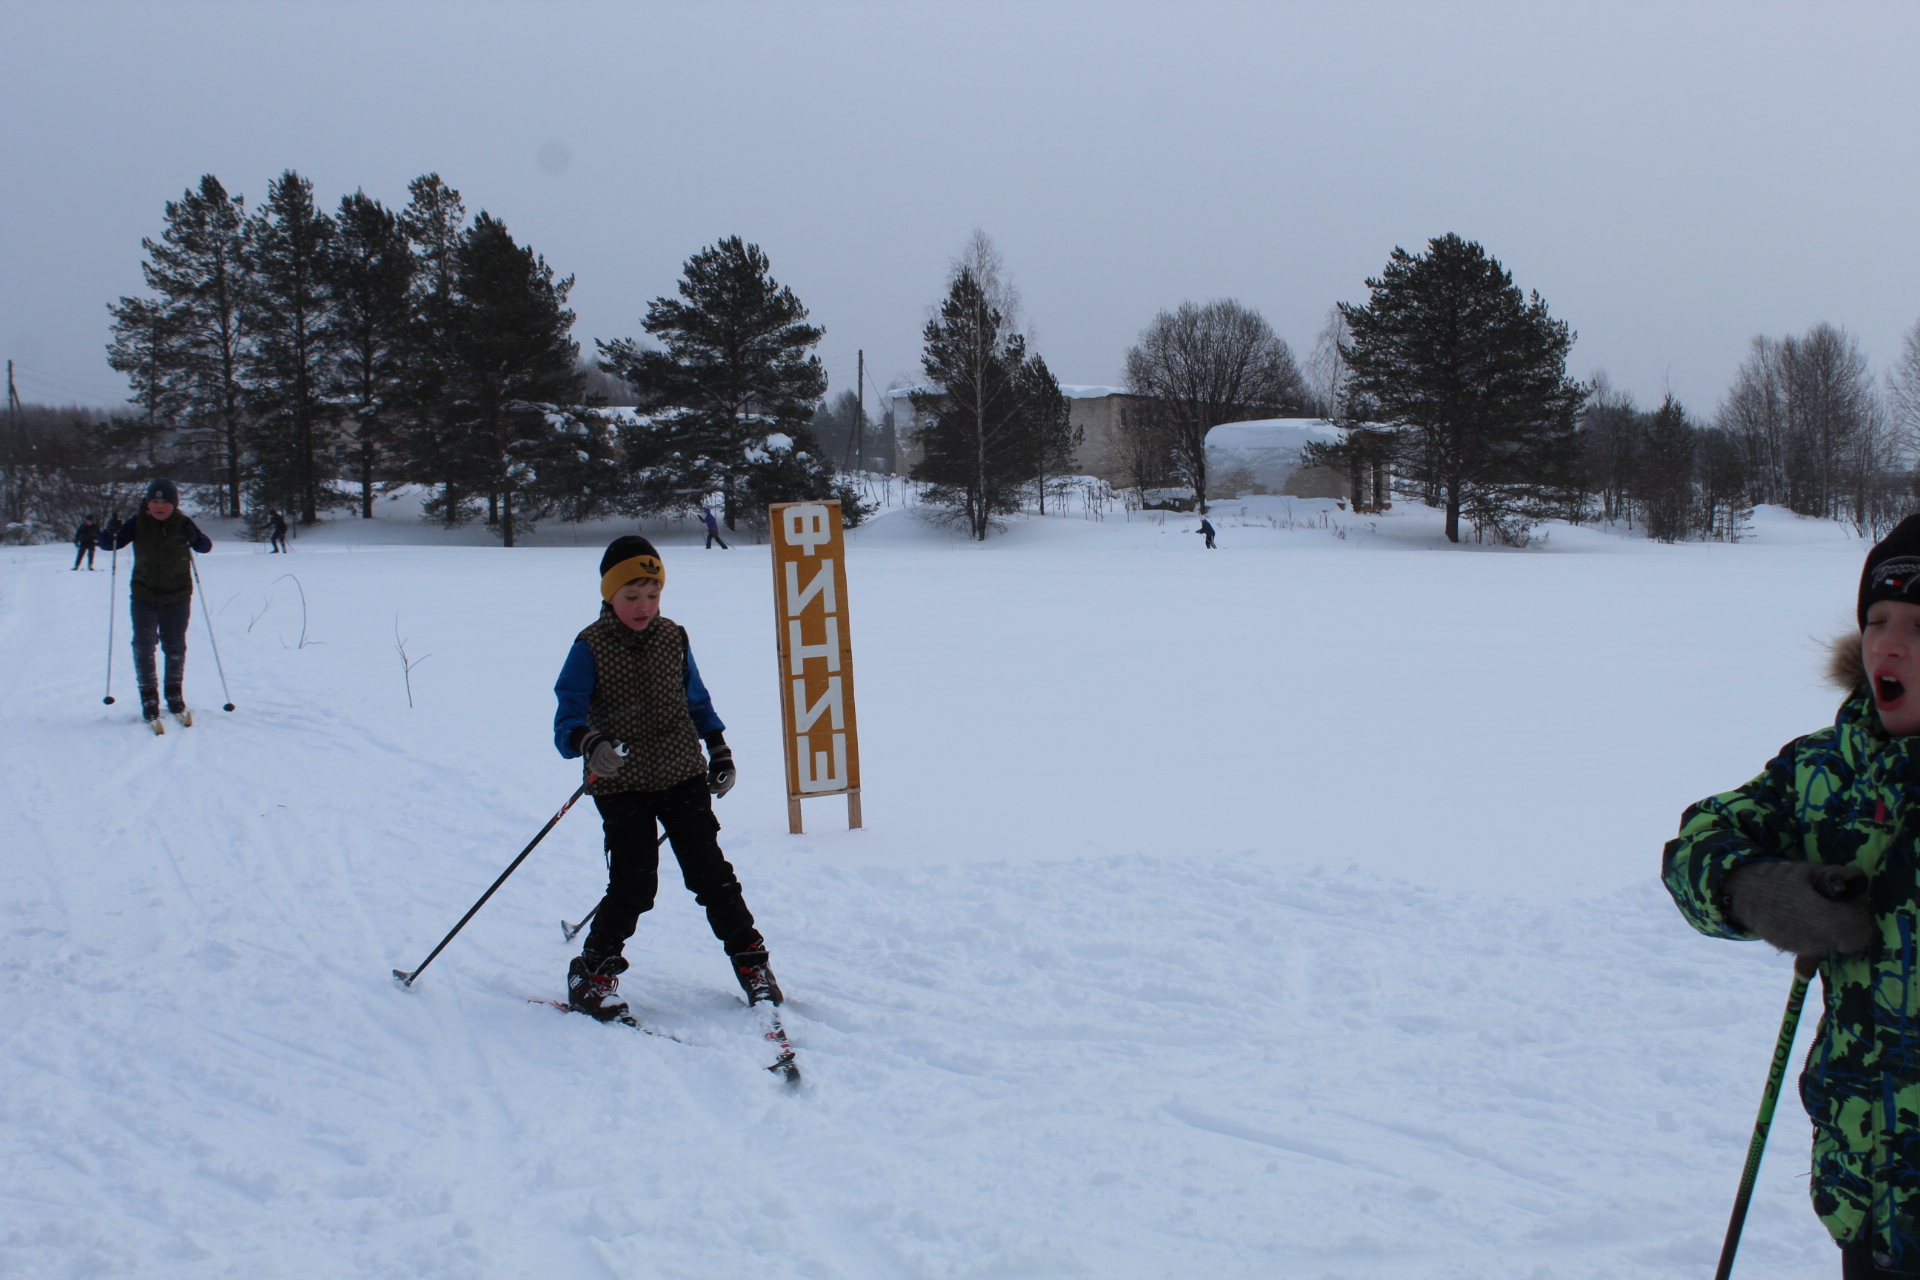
(604, 755)
(1806, 908)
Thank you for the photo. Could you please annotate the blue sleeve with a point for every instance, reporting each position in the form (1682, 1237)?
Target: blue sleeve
(197, 540)
(119, 537)
(574, 689)
(699, 701)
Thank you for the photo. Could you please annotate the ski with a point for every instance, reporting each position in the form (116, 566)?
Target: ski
(776, 1034)
(185, 716)
(625, 1020)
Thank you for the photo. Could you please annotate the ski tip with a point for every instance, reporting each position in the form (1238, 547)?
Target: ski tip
(404, 978)
(787, 1070)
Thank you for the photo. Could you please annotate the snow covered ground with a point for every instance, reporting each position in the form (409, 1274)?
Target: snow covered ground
(1284, 910)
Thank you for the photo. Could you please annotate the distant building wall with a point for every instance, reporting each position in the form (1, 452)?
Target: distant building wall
(1099, 412)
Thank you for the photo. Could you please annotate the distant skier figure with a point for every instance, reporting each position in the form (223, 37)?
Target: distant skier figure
(1206, 531)
(631, 702)
(164, 541)
(713, 530)
(277, 532)
(86, 538)
(1820, 856)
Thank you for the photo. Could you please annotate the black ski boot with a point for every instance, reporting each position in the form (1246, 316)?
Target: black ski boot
(593, 986)
(756, 979)
(150, 706)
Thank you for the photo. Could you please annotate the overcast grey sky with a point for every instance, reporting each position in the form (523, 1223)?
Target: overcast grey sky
(1672, 178)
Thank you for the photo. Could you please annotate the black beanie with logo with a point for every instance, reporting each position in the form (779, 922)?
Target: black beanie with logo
(628, 558)
(1892, 571)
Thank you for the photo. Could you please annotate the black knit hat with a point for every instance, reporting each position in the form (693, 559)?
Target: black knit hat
(627, 558)
(163, 489)
(1892, 571)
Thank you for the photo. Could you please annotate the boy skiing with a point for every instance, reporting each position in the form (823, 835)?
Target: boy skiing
(85, 539)
(164, 541)
(631, 702)
(1820, 856)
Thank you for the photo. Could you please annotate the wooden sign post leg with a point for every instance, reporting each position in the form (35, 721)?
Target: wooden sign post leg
(853, 809)
(793, 815)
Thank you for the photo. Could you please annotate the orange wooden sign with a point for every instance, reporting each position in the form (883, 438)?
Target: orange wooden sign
(816, 655)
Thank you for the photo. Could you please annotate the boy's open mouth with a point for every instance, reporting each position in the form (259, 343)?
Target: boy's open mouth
(1887, 690)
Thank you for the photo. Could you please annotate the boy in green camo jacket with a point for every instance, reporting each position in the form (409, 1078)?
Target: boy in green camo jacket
(1820, 856)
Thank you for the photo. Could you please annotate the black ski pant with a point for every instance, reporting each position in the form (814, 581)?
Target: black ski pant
(713, 536)
(633, 866)
(86, 553)
(166, 623)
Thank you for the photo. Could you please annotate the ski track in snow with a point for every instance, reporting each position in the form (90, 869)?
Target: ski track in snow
(1292, 912)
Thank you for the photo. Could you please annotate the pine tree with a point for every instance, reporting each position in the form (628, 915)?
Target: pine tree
(146, 347)
(434, 222)
(186, 349)
(735, 372)
(292, 356)
(1053, 439)
(991, 412)
(1665, 480)
(514, 362)
(371, 293)
(1455, 357)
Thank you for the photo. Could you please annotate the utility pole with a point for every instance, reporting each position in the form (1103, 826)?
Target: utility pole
(860, 424)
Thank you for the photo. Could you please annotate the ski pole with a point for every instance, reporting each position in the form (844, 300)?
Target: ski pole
(1804, 967)
(207, 613)
(113, 592)
(571, 929)
(406, 979)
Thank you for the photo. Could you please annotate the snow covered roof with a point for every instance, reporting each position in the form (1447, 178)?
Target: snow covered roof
(1268, 448)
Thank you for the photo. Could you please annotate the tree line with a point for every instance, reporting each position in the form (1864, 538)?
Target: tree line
(1456, 381)
(280, 350)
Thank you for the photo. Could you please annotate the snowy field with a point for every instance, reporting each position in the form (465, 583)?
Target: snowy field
(1287, 910)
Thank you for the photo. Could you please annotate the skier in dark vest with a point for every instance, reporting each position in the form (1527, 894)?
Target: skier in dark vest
(163, 541)
(631, 702)
(86, 538)
(277, 532)
(713, 530)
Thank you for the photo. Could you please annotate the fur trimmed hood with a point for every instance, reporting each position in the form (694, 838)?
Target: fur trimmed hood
(1846, 667)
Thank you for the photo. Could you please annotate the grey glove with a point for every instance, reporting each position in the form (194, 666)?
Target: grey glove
(720, 771)
(1806, 908)
(604, 756)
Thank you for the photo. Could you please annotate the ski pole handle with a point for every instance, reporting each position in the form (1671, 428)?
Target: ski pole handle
(1804, 967)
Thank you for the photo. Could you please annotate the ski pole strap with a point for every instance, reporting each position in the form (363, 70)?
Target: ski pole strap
(1804, 967)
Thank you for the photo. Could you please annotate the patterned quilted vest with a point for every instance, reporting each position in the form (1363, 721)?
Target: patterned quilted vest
(640, 699)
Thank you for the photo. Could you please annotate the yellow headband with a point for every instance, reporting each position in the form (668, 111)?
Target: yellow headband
(627, 570)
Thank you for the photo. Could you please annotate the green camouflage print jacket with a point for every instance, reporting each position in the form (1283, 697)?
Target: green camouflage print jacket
(1839, 796)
